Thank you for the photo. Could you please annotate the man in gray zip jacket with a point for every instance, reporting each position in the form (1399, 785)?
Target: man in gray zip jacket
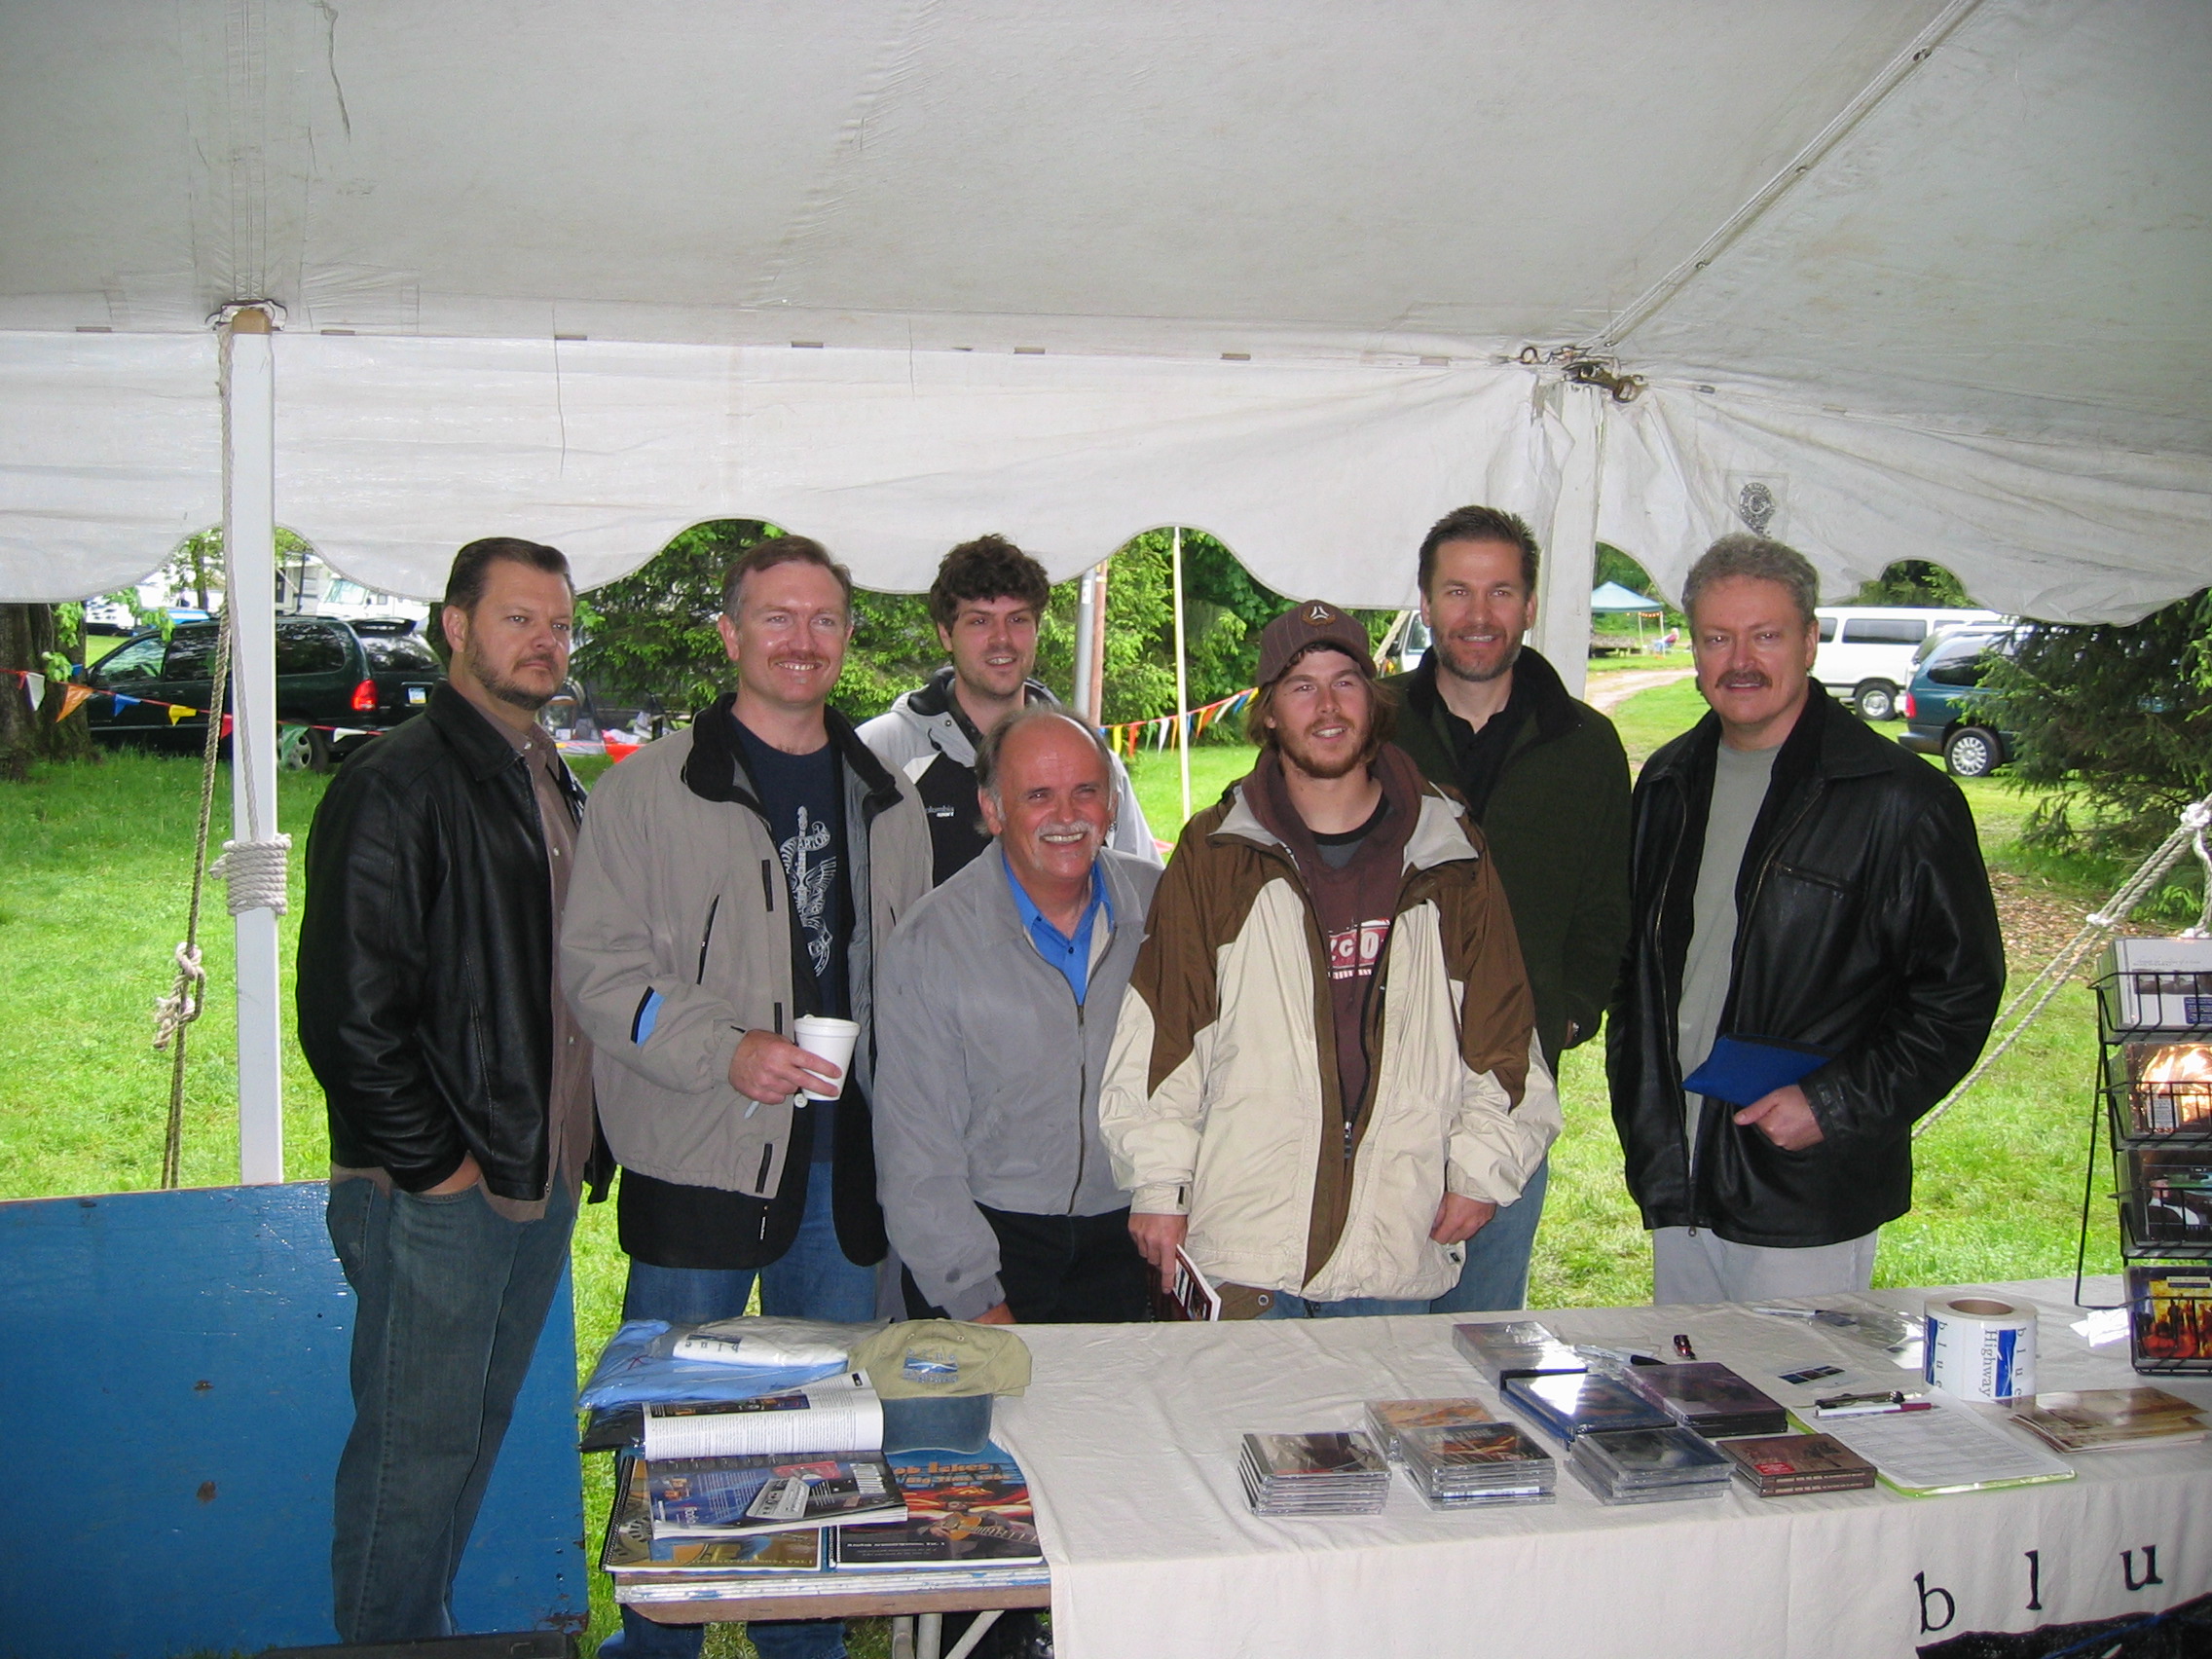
(730, 879)
(998, 993)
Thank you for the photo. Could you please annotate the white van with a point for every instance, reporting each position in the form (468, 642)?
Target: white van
(1866, 651)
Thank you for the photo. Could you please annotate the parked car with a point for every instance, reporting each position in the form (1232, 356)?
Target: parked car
(1945, 705)
(1865, 654)
(367, 676)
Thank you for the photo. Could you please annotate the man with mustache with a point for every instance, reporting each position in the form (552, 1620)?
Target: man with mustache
(459, 1086)
(1000, 992)
(732, 878)
(1813, 891)
(986, 603)
(1326, 1075)
(1545, 777)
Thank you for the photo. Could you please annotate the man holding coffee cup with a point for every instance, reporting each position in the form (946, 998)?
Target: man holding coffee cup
(731, 886)
(1000, 992)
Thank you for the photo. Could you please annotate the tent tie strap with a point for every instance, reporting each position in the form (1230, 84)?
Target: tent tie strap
(2057, 974)
(257, 872)
(181, 1006)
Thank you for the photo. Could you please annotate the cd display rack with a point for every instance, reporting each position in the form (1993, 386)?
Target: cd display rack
(2155, 1106)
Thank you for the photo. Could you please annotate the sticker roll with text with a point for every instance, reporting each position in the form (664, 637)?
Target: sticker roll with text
(1980, 1347)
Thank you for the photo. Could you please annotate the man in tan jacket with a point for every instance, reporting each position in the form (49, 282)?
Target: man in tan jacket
(1325, 1077)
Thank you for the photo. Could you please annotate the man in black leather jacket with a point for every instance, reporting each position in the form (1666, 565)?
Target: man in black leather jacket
(1798, 879)
(457, 1082)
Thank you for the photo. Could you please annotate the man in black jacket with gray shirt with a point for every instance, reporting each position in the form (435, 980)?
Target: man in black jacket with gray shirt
(1805, 888)
(1000, 992)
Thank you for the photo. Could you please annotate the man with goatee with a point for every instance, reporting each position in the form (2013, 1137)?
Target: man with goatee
(1326, 1076)
(459, 1086)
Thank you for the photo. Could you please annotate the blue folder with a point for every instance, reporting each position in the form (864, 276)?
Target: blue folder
(1742, 1069)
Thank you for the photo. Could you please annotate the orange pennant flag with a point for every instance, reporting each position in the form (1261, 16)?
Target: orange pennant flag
(71, 696)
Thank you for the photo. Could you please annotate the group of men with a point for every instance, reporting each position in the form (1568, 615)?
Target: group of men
(1313, 1056)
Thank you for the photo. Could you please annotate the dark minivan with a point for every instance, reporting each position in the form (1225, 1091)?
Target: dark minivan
(364, 677)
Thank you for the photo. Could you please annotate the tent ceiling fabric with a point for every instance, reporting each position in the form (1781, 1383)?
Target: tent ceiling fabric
(1974, 329)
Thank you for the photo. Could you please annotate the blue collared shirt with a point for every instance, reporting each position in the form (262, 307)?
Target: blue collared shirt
(1071, 956)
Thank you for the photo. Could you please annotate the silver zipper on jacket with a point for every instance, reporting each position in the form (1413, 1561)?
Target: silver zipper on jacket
(706, 937)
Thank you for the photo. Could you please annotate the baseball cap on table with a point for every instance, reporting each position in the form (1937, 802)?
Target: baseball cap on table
(1305, 625)
(936, 1378)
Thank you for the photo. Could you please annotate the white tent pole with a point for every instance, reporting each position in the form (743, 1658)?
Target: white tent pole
(1182, 681)
(249, 555)
(1565, 578)
(1083, 694)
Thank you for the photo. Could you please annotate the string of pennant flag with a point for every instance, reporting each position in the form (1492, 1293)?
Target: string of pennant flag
(74, 695)
(1170, 731)
(1124, 738)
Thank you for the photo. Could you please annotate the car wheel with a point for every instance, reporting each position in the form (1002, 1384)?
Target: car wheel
(306, 750)
(1973, 751)
(1875, 700)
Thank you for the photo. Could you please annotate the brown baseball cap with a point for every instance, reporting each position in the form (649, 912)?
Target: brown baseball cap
(1305, 625)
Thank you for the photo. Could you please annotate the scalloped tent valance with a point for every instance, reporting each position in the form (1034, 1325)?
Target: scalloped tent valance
(1903, 279)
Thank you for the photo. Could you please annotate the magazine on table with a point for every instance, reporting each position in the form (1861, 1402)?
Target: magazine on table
(631, 1546)
(2095, 1419)
(838, 1413)
(719, 1497)
(960, 1510)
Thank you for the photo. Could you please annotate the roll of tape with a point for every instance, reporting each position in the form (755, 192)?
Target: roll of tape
(1979, 1347)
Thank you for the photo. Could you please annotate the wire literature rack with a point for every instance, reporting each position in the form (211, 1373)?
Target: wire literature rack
(2154, 1105)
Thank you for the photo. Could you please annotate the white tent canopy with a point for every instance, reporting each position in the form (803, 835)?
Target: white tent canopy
(1905, 280)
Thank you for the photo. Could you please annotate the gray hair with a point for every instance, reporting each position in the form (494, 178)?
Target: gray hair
(988, 751)
(1743, 554)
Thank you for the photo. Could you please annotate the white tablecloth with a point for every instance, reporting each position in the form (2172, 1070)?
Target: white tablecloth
(1130, 1436)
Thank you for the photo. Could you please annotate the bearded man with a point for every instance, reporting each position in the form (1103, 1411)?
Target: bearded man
(458, 1083)
(1326, 1075)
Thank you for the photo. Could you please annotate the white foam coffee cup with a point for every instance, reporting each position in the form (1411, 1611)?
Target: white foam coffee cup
(830, 1038)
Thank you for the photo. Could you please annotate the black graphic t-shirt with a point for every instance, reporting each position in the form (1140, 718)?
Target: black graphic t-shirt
(804, 802)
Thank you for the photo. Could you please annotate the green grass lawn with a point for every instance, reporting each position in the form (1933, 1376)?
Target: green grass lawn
(94, 863)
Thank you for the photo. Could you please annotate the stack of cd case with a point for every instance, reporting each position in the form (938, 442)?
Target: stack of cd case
(1707, 1397)
(1781, 1466)
(1388, 1420)
(1648, 1465)
(1471, 1466)
(1570, 1405)
(1514, 1348)
(1320, 1473)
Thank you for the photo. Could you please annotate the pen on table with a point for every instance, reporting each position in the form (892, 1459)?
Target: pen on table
(1888, 1408)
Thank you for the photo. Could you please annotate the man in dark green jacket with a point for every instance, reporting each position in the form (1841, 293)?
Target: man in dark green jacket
(1546, 778)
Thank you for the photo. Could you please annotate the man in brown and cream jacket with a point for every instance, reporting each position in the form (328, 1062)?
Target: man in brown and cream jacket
(1325, 1077)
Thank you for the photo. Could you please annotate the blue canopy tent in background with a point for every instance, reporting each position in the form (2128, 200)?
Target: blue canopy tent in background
(1614, 598)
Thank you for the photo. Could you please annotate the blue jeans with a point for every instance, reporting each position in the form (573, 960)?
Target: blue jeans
(1495, 1274)
(448, 1298)
(811, 1281)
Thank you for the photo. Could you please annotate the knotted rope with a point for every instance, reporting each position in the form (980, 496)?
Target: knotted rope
(174, 1013)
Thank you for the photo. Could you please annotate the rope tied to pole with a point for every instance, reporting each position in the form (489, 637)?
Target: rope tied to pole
(2036, 994)
(174, 1013)
(257, 872)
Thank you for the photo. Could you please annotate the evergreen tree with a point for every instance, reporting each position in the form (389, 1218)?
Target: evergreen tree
(2121, 718)
(1915, 582)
